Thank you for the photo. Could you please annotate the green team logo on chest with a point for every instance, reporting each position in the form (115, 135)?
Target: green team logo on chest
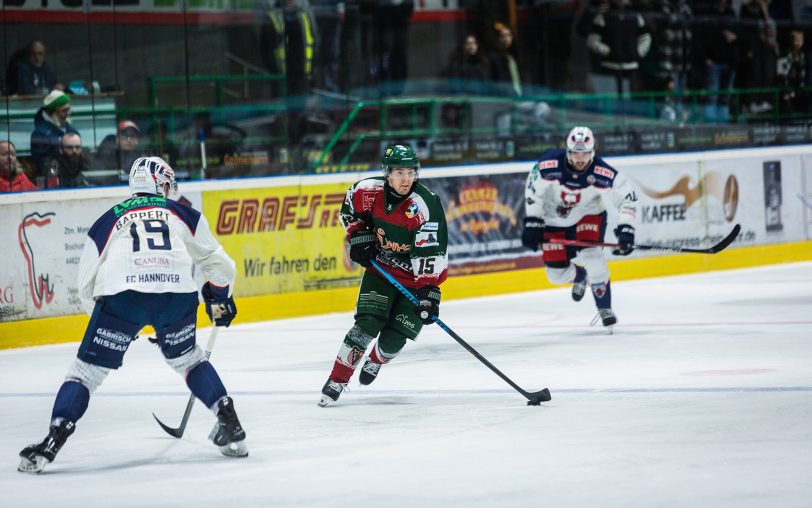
(393, 238)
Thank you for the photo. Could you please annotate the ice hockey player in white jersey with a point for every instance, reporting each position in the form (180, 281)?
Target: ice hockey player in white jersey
(136, 270)
(566, 196)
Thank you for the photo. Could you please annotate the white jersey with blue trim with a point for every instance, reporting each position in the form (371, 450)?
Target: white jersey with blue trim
(150, 244)
(562, 197)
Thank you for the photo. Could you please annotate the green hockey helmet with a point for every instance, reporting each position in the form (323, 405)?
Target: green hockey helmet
(399, 156)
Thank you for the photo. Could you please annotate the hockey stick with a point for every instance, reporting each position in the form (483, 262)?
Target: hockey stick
(178, 433)
(710, 250)
(533, 398)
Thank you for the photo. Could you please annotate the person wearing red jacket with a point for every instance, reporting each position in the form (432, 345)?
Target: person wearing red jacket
(12, 178)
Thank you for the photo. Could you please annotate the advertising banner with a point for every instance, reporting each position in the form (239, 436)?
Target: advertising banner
(696, 204)
(287, 236)
(484, 215)
(283, 238)
(42, 245)
(43, 242)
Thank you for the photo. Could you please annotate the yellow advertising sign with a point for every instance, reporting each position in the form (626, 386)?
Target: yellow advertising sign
(283, 239)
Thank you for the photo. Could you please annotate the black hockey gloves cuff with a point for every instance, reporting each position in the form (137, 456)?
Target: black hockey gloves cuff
(220, 307)
(363, 246)
(533, 233)
(625, 240)
(429, 303)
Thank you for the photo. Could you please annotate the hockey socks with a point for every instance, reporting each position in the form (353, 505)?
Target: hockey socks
(71, 401)
(204, 382)
(603, 295)
(349, 355)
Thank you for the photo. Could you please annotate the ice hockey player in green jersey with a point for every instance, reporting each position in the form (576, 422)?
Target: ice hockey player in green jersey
(398, 222)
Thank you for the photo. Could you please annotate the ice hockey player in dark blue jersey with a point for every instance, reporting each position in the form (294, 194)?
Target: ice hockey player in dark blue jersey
(565, 197)
(136, 270)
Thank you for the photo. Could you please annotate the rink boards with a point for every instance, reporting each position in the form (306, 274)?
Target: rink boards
(286, 239)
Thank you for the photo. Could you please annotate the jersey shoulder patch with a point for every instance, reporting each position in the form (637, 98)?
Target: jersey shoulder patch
(605, 172)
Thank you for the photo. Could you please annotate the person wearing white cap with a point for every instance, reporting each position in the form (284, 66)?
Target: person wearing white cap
(51, 122)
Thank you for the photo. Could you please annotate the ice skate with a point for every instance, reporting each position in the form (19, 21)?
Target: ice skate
(34, 458)
(369, 372)
(227, 433)
(331, 392)
(579, 284)
(607, 318)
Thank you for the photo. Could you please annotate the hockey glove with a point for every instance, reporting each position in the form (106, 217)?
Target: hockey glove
(220, 307)
(533, 233)
(625, 240)
(363, 246)
(429, 303)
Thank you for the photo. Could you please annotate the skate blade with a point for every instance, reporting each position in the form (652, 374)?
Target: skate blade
(326, 401)
(235, 449)
(32, 466)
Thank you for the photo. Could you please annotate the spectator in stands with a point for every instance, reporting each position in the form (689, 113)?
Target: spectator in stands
(12, 178)
(672, 44)
(287, 39)
(119, 151)
(329, 16)
(579, 70)
(467, 70)
(504, 61)
(29, 74)
(718, 44)
(792, 72)
(390, 44)
(620, 38)
(51, 122)
(760, 46)
(71, 162)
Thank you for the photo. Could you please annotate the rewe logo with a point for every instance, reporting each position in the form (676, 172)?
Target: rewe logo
(42, 290)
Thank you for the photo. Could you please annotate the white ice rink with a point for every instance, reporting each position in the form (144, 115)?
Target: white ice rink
(701, 398)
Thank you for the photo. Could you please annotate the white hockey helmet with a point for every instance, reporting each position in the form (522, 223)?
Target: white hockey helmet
(152, 175)
(580, 139)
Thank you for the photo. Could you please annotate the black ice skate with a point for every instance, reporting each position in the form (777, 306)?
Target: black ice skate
(369, 372)
(331, 392)
(227, 433)
(579, 284)
(34, 458)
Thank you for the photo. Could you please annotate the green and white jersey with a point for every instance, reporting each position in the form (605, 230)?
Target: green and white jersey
(412, 232)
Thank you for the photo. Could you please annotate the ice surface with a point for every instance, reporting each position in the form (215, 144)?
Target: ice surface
(701, 398)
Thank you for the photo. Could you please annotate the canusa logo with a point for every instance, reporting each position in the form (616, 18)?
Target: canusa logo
(151, 261)
(39, 284)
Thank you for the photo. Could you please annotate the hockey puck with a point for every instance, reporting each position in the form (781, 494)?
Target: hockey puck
(533, 402)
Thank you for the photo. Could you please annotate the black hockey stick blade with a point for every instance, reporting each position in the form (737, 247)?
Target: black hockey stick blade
(722, 245)
(536, 398)
(178, 433)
